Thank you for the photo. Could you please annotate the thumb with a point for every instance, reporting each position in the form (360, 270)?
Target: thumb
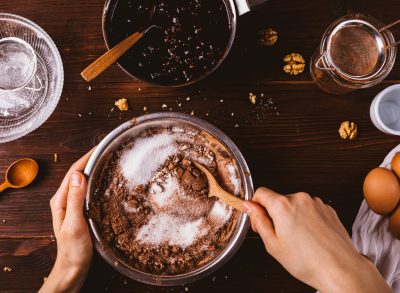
(76, 195)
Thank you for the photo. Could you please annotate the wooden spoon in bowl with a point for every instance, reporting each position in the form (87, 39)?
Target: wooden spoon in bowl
(214, 189)
(20, 174)
(108, 58)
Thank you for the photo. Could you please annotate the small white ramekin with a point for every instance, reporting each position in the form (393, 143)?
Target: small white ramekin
(376, 118)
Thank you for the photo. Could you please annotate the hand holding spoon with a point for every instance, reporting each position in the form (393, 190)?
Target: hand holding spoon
(108, 58)
(214, 189)
(20, 174)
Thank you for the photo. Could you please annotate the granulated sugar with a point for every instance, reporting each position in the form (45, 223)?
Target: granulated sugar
(164, 228)
(162, 194)
(147, 155)
(220, 213)
(234, 179)
(129, 209)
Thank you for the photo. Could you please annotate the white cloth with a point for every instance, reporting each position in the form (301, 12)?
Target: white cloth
(373, 239)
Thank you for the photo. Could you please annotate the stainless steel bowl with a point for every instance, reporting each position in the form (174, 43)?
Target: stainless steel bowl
(103, 153)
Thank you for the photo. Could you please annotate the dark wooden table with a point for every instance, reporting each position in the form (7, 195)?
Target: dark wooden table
(294, 147)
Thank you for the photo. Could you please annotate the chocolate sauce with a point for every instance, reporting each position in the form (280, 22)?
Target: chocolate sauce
(193, 38)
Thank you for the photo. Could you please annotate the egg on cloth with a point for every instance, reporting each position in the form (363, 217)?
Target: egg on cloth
(381, 191)
(396, 164)
(394, 224)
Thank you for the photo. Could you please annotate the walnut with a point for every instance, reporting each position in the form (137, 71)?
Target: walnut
(294, 64)
(122, 104)
(348, 130)
(267, 37)
(7, 269)
(252, 98)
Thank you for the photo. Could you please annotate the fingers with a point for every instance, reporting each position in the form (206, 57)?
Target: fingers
(58, 203)
(77, 166)
(76, 196)
(260, 222)
(268, 199)
(57, 214)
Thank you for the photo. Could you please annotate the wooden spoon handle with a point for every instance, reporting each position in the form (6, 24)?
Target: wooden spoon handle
(4, 186)
(108, 58)
(231, 200)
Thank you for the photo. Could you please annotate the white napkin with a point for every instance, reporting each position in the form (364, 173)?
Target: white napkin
(372, 238)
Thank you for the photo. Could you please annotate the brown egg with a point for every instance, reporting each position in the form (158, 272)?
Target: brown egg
(381, 191)
(394, 223)
(396, 164)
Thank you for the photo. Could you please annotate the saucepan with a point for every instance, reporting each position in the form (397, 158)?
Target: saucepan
(234, 9)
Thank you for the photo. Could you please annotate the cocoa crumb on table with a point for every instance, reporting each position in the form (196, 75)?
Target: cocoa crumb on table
(122, 105)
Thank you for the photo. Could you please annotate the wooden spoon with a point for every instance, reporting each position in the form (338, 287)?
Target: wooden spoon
(108, 58)
(20, 174)
(214, 189)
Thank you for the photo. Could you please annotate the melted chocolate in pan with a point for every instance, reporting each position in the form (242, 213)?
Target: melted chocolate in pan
(193, 38)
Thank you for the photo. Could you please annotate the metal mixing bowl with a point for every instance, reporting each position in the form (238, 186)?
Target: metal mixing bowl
(104, 152)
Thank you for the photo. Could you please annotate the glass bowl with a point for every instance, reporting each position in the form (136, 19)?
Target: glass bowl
(24, 110)
(105, 150)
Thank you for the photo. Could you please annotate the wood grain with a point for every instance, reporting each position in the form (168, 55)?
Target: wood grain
(289, 139)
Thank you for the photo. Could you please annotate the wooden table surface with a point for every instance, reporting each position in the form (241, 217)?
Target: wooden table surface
(289, 139)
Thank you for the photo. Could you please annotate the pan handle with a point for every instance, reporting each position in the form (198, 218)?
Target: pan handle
(244, 6)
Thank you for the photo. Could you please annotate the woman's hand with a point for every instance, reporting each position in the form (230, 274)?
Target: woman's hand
(74, 245)
(308, 239)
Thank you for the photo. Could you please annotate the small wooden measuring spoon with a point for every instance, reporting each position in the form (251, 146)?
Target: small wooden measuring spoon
(20, 174)
(214, 189)
(112, 55)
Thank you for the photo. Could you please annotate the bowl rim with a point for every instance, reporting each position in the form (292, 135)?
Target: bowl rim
(238, 236)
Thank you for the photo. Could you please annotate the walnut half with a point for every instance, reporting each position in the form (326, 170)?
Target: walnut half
(348, 130)
(267, 37)
(294, 64)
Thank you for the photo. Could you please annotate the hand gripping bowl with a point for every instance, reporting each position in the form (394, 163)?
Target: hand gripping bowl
(103, 153)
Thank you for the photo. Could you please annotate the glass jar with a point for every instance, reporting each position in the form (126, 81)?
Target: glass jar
(356, 51)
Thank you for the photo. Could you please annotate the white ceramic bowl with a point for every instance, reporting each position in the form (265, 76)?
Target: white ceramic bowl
(385, 110)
